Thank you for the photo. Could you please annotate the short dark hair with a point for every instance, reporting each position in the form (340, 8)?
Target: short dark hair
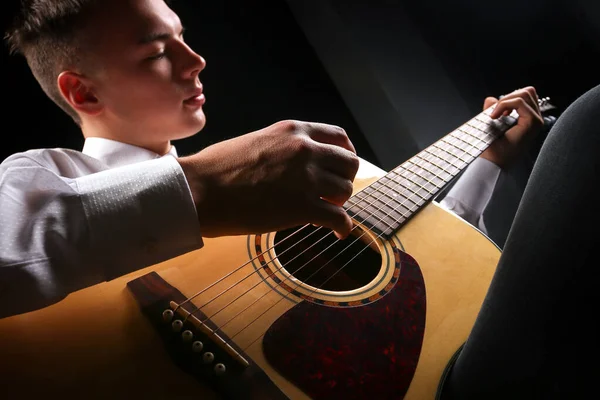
(45, 32)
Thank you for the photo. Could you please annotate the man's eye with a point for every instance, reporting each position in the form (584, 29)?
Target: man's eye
(157, 56)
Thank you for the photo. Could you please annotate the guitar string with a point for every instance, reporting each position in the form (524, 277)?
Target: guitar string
(540, 102)
(301, 267)
(253, 259)
(422, 168)
(242, 266)
(315, 288)
(290, 261)
(326, 280)
(371, 204)
(419, 166)
(253, 272)
(381, 219)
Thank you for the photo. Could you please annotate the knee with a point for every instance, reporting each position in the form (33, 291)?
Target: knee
(578, 121)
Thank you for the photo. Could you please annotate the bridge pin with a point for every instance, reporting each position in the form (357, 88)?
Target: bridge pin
(220, 369)
(167, 315)
(177, 325)
(208, 357)
(187, 336)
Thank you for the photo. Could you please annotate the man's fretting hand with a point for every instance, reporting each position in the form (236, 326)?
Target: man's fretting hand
(504, 150)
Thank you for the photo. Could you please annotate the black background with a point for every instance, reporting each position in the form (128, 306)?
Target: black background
(261, 69)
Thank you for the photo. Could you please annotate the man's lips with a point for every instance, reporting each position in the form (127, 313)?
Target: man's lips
(197, 98)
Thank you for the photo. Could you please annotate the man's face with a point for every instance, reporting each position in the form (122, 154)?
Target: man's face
(146, 76)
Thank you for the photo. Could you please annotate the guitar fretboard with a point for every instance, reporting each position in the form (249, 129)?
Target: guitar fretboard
(385, 205)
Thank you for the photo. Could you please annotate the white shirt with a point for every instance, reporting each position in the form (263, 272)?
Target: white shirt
(471, 194)
(91, 216)
(87, 217)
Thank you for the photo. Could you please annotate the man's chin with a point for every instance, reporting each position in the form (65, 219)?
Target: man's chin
(189, 131)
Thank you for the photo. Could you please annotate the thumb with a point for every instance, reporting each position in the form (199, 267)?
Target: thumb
(488, 102)
(333, 217)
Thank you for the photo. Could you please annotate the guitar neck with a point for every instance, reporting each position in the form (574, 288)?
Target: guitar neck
(388, 203)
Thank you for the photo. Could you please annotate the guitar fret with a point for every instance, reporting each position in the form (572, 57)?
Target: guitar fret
(410, 180)
(390, 193)
(372, 221)
(403, 207)
(493, 126)
(395, 193)
(482, 128)
(497, 123)
(451, 164)
(474, 133)
(403, 187)
(429, 165)
(370, 213)
(410, 195)
(381, 211)
(430, 168)
(475, 123)
(416, 187)
(429, 159)
(468, 141)
(453, 155)
(429, 175)
(447, 151)
(382, 206)
(453, 143)
(390, 201)
(503, 123)
(441, 173)
(398, 211)
(428, 184)
(446, 164)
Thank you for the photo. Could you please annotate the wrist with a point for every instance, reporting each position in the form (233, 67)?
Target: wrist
(499, 153)
(195, 174)
(487, 155)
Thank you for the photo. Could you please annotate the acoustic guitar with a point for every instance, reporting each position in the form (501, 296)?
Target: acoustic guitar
(295, 314)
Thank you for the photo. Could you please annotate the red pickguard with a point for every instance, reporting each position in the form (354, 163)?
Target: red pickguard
(366, 352)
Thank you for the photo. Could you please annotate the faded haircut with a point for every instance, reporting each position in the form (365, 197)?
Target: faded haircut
(46, 33)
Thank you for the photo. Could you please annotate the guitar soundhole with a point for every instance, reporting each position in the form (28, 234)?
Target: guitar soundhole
(316, 257)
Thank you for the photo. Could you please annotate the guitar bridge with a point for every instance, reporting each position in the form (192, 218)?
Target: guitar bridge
(193, 344)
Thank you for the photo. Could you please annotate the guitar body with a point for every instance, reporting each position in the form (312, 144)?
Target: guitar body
(97, 343)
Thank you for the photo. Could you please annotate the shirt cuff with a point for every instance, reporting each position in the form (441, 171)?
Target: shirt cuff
(139, 215)
(472, 192)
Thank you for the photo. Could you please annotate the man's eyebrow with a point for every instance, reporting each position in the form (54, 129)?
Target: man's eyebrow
(157, 36)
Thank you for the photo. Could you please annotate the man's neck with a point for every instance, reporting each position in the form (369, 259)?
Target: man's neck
(92, 129)
(159, 148)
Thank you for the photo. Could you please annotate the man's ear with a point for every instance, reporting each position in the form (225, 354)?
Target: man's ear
(77, 91)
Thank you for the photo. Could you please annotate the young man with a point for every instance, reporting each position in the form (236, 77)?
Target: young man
(121, 69)
(123, 72)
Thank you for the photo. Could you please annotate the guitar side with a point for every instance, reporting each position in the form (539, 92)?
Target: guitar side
(97, 344)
